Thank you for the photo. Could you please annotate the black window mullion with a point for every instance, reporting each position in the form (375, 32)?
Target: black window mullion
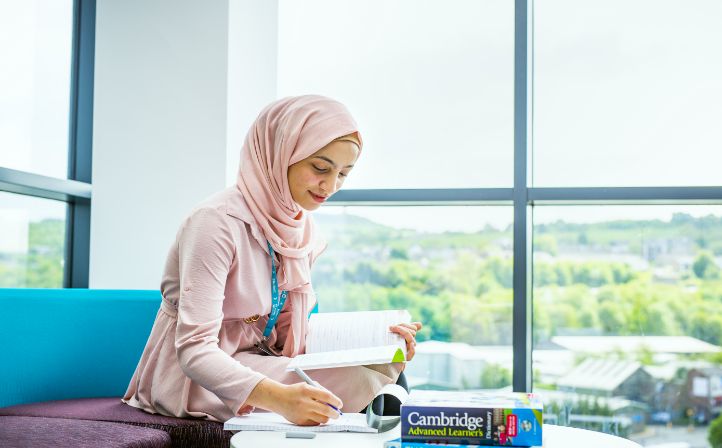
(77, 234)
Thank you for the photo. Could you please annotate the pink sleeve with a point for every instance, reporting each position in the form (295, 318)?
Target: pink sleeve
(206, 250)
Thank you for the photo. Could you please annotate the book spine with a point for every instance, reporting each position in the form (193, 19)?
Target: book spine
(471, 425)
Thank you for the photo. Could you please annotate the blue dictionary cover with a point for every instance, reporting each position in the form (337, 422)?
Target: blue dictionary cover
(397, 443)
(472, 418)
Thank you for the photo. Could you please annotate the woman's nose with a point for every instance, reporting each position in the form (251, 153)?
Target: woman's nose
(328, 185)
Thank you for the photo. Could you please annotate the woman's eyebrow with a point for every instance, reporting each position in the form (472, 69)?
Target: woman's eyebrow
(331, 161)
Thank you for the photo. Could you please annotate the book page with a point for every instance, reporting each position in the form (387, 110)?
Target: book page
(351, 422)
(353, 357)
(270, 421)
(351, 330)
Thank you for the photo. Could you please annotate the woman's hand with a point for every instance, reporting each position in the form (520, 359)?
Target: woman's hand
(408, 332)
(307, 405)
(299, 403)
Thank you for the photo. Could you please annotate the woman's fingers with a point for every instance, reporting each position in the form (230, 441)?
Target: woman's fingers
(325, 396)
(415, 326)
(409, 335)
(408, 332)
(410, 352)
(305, 404)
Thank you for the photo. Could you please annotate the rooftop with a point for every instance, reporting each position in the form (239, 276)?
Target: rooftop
(599, 374)
(631, 344)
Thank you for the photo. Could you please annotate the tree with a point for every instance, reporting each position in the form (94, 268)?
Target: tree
(612, 318)
(704, 266)
(582, 239)
(707, 327)
(544, 274)
(399, 253)
(715, 433)
(494, 376)
(545, 243)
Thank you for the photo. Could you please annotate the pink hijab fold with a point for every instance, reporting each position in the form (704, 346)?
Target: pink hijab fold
(285, 132)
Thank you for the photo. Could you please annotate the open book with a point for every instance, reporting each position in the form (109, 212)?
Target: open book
(270, 421)
(352, 339)
(348, 422)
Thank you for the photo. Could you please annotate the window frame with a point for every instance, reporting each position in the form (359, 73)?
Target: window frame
(76, 190)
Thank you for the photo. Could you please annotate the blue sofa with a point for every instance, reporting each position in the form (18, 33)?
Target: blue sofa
(67, 358)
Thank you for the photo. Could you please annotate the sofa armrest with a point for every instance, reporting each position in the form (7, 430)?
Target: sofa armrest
(69, 343)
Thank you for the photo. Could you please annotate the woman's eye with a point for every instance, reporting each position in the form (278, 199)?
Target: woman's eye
(319, 169)
(342, 175)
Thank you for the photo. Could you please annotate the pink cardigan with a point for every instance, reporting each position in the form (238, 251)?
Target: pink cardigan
(199, 360)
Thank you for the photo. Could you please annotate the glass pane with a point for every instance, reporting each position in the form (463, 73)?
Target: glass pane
(32, 242)
(628, 319)
(627, 93)
(451, 267)
(430, 83)
(35, 47)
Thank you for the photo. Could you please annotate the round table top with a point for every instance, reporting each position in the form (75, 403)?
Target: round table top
(554, 437)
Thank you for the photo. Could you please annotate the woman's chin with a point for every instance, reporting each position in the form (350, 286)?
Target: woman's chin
(312, 207)
(309, 206)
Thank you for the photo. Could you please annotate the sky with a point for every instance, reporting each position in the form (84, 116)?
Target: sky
(35, 47)
(625, 94)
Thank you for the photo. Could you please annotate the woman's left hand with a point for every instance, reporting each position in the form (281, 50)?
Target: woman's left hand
(408, 332)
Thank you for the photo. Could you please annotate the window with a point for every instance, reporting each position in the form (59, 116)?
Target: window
(627, 93)
(46, 108)
(607, 102)
(35, 80)
(451, 267)
(431, 96)
(628, 318)
(32, 242)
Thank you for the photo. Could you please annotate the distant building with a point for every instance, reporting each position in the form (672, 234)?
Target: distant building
(704, 393)
(622, 416)
(658, 393)
(448, 365)
(457, 365)
(609, 378)
(635, 344)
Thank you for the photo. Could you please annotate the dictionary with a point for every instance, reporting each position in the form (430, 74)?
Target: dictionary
(472, 418)
(398, 443)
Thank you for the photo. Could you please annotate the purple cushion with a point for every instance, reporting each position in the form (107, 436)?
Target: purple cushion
(20, 432)
(184, 432)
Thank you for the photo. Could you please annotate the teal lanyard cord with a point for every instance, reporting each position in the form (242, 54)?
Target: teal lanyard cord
(278, 302)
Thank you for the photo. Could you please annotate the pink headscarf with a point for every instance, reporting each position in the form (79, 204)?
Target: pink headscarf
(285, 132)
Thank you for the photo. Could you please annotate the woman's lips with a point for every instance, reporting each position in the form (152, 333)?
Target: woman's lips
(317, 198)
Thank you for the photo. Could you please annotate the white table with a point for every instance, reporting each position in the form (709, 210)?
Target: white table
(554, 437)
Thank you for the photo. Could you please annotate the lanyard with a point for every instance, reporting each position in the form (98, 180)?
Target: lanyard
(278, 302)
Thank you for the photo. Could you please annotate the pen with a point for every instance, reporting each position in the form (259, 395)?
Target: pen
(307, 379)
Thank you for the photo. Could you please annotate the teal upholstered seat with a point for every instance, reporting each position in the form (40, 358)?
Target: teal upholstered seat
(69, 343)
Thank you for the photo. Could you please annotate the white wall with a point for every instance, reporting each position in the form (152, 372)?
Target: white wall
(252, 62)
(162, 91)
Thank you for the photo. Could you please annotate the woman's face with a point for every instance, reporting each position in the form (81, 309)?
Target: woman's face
(316, 178)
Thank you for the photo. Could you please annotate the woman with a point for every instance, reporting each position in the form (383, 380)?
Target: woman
(205, 354)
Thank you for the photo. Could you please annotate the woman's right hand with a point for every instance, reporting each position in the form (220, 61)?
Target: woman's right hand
(299, 403)
(306, 405)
